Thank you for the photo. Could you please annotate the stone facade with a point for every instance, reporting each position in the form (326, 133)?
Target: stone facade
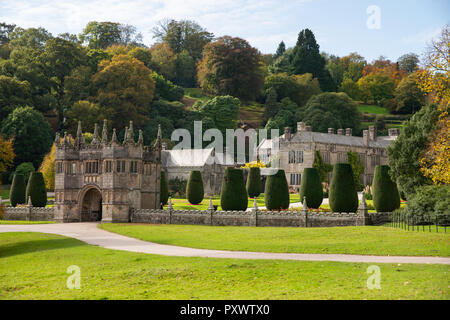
(105, 179)
(297, 150)
(180, 163)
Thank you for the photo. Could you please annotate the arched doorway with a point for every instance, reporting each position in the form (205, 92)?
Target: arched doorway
(91, 206)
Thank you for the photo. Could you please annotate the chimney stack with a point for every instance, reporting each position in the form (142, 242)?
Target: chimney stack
(330, 130)
(366, 138)
(301, 126)
(308, 128)
(348, 132)
(340, 132)
(287, 133)
(373, 133)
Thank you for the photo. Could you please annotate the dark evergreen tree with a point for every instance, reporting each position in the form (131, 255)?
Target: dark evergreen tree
(194, 188)
(233, 195)
(307, 59)
(254, 182)
(281, 50)
(18, 188)
(271, 107)
(36, 190)
(385, 193)
(311, 188)
(343, 196)
(276, 195)
(164, 197)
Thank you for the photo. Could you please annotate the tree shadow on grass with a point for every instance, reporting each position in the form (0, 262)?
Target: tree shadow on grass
(29, 246)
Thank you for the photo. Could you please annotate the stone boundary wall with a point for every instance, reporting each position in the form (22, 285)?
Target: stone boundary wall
(28, 213)
(257, 218)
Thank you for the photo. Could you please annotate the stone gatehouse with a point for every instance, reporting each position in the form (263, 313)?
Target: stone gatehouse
(105, 180)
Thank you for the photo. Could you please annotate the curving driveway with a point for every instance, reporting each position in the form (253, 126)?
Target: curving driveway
(89, 233)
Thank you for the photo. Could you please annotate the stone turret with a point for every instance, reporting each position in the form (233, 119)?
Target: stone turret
(105, 132)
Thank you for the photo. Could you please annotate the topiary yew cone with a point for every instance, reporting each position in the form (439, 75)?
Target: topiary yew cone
(311, 188)
(194, 188)
(164, 197)
(276, 195)
(254, 182)
(385, 193)
(343, 196)
(36, 190)
(233, 195)
(18, 189)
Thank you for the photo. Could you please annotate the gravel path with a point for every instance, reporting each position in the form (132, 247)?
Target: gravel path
(89, 233)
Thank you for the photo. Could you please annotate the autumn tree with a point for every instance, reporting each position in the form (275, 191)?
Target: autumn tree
(6, 154)
(163, 60)
(230, 66)
(386, 68)
(434, 79)
(376, 88)
(183, 35)
(48, 169)
(124, 90)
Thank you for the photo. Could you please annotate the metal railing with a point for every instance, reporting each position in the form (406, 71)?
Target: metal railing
(423, 223)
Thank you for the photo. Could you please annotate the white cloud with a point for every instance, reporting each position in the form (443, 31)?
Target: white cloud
(244, 18)
(423, 37)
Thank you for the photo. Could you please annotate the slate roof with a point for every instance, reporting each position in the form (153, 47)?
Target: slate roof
(309, 136)
(192, 158)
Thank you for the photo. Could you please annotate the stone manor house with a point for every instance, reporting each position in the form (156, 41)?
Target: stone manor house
(106, 179)
(296, 150)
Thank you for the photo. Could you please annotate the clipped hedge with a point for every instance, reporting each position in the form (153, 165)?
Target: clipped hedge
(276, 194)
(385, 193)
(164, 195)
(36, 190)
(311, 188)
(343, 196)
(233, 195)
(254, 182)
(194, 188)
(18, 189)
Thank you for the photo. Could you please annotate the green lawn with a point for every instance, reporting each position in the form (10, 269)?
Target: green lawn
(34, 266)
(183, 204)
(372, 109)
(24, 222)
(4, 193)
(366, 240)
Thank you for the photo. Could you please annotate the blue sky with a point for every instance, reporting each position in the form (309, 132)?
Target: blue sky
(340, 26)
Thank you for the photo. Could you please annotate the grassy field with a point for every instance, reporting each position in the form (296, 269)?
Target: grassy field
(365, 108)
(345, 240)
(34, 266)
(24, 222)
(183, 204)
(4, 193)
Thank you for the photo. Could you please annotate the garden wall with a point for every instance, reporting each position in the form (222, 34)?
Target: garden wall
(257, 218)
(28, 213)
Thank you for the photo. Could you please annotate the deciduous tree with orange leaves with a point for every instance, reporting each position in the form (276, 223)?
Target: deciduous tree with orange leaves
(434, 79)
(6, 154)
